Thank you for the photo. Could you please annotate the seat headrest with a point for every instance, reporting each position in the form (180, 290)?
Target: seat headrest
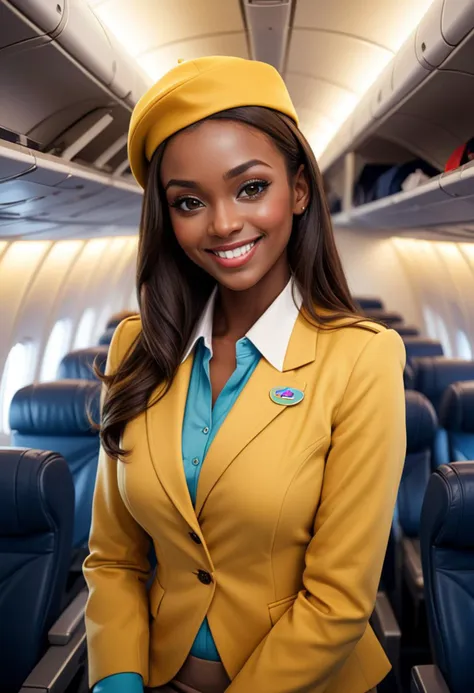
(419, 347)
(433, 374)
(115, 319)
(447, 518)
(407, 330)
(368, 303)
(456, 411)
(59, 408)
(389, 318)
(36, 490)
(106, 337)
(78, 365)
(421, 422)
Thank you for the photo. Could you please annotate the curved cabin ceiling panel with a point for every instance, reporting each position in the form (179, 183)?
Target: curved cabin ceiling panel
(381, 22)
(144, 26)
(158, 61)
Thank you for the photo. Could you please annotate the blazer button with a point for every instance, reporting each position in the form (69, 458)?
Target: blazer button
(204, 577)
(195, 538)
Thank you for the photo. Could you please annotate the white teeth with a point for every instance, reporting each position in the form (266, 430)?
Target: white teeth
(236, 252)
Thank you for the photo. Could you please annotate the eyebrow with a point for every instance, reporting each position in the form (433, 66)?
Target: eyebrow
(232, 173)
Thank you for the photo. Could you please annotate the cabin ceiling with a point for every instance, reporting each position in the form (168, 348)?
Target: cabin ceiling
(335, 51)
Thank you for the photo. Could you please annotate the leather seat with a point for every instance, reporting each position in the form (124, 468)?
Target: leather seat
(53, 416)
(115, 319)
(456, 416)
(447, 548)
(432, 375)
(106, 337)
(417, 347)
(407, 330)
(36, 527)
(390, 319)
(421, 427)
(78, 365)
(368, 303)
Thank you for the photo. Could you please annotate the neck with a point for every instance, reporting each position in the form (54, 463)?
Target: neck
(237, 311)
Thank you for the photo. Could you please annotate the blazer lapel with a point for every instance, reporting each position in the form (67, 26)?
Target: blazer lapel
(164, 429)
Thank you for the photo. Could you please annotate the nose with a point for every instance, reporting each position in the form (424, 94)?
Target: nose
(226, 220)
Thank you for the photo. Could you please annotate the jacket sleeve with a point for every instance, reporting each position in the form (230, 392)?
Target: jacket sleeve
(343, 563)
(116, 572)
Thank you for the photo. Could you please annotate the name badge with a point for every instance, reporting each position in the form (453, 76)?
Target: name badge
(286, 396)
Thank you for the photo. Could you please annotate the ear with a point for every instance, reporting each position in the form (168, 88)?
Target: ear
(300, 191)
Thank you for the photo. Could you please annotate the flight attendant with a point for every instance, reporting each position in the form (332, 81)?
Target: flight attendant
(253, 428)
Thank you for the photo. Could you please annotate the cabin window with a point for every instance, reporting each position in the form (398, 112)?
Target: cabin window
(83, 336)
(57, 346)
(463, 347)
(18, 372)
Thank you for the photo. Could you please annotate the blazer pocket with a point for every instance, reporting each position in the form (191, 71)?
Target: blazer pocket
(277, 609)
(155, 596)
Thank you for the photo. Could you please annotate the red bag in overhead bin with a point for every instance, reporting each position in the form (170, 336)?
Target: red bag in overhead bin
(462, 155)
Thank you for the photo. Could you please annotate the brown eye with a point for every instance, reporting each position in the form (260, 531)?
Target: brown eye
(253, 189)
(187, 204)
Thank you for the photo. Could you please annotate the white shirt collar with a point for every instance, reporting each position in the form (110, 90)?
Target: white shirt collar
(270, 334)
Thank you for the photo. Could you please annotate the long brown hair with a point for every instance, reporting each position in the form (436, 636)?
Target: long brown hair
(172, 290)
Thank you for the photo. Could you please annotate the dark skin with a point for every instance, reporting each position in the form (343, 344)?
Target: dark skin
(227, 183)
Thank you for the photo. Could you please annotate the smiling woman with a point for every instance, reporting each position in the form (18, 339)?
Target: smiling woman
(246, 430)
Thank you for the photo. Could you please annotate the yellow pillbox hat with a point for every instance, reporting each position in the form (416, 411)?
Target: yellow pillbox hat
(194, 90)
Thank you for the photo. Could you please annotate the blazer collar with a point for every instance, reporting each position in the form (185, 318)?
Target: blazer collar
(271, 333)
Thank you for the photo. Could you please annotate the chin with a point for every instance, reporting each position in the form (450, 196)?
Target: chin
(239, 281)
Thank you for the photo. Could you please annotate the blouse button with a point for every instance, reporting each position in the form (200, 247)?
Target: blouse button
(205, 430)
(196, 461)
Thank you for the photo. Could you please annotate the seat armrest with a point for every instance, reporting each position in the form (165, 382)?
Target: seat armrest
(386, 628)
(58, 667)
(427, 679)
(412, 567)
(62, 631)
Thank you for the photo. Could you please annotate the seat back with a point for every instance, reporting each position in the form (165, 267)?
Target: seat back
(36, 525)
(433, 374)
(417, 347)
(53, 416)
(78, 365)
(456, 416)
(447, 552)
(106, 337)
(115, 319)
(369, 303)
(390, 319)
(407, 330)
(421, 425)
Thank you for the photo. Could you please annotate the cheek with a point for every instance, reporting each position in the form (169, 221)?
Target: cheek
(188, 232)
(274, 213)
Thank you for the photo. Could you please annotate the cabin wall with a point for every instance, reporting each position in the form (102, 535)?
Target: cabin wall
(55, 297)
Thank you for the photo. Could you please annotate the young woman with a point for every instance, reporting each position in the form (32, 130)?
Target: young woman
(253, 428)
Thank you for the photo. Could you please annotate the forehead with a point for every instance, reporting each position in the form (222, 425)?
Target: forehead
(216, 146)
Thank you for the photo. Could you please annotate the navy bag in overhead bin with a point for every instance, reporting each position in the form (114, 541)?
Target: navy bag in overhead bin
(390, 182)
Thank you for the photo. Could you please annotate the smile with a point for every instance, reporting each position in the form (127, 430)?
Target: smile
(235, 257)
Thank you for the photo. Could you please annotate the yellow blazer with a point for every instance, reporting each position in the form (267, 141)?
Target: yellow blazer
(293, 511)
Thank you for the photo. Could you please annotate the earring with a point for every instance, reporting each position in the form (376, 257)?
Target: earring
(303, 208)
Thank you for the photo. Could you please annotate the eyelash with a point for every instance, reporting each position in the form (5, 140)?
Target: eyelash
(257, 181)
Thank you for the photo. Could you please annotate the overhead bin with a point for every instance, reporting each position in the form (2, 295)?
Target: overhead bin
(428, 83)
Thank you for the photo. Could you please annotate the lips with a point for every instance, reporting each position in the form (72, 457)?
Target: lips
(236, 254)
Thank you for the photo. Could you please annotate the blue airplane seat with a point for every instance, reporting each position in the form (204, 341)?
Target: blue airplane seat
(368, 303)
(390, 319)
(78, 365)
(407, 330)
(447, 549)
(53, 416)
(431, 376)
(106, 337)
(456, 416)
(115, 319)
(417, 347)
(421, 428)
(36, 528)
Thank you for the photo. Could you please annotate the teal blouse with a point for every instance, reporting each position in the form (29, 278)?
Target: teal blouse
(200, 426)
